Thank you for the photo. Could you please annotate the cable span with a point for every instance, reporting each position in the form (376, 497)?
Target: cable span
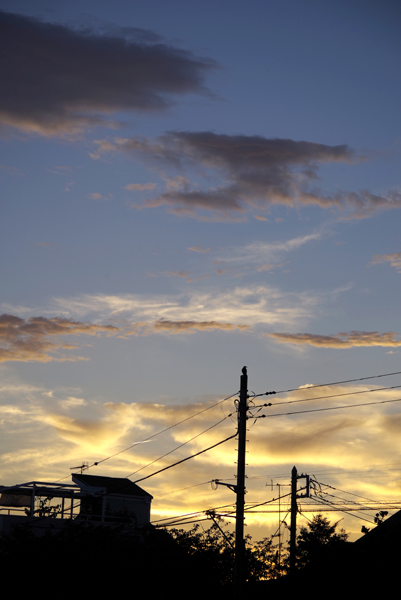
(334, 383)
(162, 431)
(331, 396)
(180, 446)
(188, 458)
(298, 412)
(182, 489)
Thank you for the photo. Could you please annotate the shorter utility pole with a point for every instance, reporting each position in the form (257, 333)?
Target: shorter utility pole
(294, 511)
(293, 526)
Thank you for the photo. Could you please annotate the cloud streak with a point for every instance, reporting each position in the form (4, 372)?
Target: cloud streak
(340, 340)
(140, 187)
(199, 249)
(257, 252)
(249, 305)
(178, 327)
(58, 80)
(394, 260)
(37, 339)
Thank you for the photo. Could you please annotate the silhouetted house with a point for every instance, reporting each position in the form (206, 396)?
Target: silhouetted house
(89, 498)
(377, 554)
(112, 499)
(382, 537)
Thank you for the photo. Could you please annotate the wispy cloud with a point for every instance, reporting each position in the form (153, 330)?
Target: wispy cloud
(37, 339)
(140, 187)
(393, 259)
(57, 80)
(183, 274)
(265, 252)
(249, 305)
(45, 244)
(178, 327)
(199, 249)
(339, 340)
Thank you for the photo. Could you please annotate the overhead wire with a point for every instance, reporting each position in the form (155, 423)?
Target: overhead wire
(345, 492)
(164, 430)
(187, 458)
(191, 514)
(342, 471)
(334, 383)
(154, 435)
(298, 412)
(180, 446)
(182, 489)
(331, 396)
(337, 509)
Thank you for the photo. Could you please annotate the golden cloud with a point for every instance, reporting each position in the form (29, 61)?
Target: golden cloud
(259, 304)
(37, 338)
(176, 327)
(55, 440)
(339, 340)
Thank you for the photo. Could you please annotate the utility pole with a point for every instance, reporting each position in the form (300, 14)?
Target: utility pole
(279, 525)
(294, 510)
(293, 526)
(239, 577)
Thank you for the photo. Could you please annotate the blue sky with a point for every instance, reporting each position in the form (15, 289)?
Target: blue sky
(188, 188)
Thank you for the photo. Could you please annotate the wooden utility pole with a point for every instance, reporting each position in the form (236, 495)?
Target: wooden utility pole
(293, 526)
(239, 579)
(294, 510)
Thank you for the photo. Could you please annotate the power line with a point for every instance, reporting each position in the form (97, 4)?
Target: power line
(341, 471)
(344, 511)
(95, 464)
(180, 446)
(344, 492)
(188, 458)
(329, 408)
(163, 430)
(191, 514)
(182, 489)
(333, 383)
(331, 396)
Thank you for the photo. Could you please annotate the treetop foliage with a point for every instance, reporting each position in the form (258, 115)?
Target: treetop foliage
(318, 534)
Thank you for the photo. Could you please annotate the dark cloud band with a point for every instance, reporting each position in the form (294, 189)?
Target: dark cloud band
(58, 80)
(247, 172)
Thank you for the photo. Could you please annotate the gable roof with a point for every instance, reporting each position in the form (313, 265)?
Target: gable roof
(112, 485)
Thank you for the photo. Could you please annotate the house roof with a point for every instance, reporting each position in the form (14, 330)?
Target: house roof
(113, 485)
(386, 532)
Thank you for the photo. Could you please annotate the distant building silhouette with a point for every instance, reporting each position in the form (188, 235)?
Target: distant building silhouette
(89, 498)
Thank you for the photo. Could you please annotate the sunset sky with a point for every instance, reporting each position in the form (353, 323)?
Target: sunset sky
(188, 188)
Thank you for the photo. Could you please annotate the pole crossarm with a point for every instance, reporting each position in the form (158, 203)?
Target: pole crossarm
(231, 486)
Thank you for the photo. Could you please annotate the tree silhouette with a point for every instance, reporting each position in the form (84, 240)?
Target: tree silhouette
(319, 535)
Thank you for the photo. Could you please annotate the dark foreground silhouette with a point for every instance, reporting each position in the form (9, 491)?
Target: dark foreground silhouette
(103, 559)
